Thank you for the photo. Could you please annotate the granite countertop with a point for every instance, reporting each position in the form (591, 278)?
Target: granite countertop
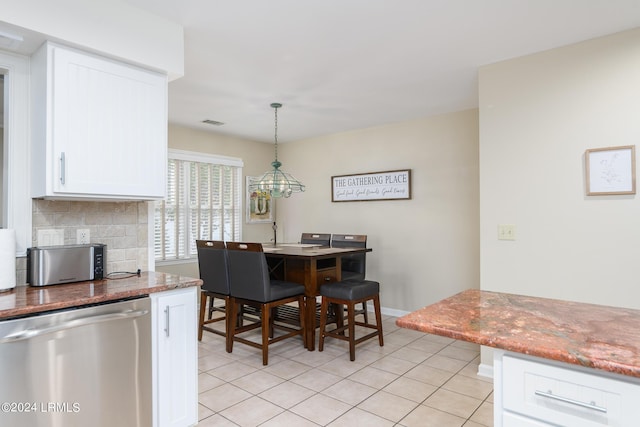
(595, 336)
(27, 300)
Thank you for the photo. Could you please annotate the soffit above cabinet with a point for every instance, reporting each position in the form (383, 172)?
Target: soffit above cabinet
(113, 29)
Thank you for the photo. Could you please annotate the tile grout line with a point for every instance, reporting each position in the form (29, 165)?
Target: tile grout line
(394, 333)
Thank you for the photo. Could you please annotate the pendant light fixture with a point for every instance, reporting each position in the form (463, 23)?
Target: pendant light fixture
(277, 182)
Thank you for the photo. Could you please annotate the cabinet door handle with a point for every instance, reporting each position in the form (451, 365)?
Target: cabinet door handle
(62, 168)
(550, 395)
(166, 321)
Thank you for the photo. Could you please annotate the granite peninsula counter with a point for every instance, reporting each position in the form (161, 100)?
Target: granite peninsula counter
(557, 362)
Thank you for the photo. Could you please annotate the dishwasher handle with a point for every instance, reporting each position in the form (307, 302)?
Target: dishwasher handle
(74, 323)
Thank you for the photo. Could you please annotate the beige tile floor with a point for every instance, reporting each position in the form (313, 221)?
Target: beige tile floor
(416, 379)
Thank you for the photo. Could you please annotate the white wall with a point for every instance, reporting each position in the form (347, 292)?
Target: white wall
(424, 249)
(538, 115)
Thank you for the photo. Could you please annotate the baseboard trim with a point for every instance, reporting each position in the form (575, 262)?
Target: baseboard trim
(385, 311)
(393, 312)
(485, 370)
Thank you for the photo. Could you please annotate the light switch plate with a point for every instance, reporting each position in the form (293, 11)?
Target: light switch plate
(506, 232)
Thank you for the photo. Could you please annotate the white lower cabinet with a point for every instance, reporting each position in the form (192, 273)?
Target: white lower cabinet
(175, 370)
(538, 392)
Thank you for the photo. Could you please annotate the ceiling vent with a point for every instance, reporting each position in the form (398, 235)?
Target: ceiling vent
(212, 122)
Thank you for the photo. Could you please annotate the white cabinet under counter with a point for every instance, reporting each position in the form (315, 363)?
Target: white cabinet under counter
(99, 127)
(175, 355)
(540, 392)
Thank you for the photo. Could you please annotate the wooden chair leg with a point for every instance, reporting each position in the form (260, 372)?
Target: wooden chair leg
(303, 321)
(227, 322)
(364, 312)
(376, 307)
(265, 311)
(203, 303)
(339, 318)
(211, 303)
(351, 318)
(240, 316)
(324, 307)
(233, 316)
(272, 315)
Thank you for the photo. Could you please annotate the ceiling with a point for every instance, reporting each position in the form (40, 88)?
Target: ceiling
(340, 65)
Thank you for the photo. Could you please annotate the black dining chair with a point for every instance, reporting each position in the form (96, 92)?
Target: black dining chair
(354, 266)
(250, 284)
(322, 239)
(214, 272)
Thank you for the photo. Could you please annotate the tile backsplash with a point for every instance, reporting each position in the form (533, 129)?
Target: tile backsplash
(122, 226)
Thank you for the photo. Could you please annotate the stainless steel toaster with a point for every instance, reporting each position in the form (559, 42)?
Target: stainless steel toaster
(52, 265)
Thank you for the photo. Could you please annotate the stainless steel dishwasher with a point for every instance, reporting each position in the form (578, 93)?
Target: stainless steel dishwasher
(89, 366)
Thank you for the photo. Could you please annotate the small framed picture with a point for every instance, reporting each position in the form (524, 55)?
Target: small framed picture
(611, 170)
(258, 204)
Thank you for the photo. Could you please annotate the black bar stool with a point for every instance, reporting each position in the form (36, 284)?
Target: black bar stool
(350, 293)
(214, 272)
(250, 284)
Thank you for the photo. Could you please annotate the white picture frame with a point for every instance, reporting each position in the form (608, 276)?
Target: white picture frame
(610, 170)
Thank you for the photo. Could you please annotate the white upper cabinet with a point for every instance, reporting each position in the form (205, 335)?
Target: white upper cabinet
(99, 127)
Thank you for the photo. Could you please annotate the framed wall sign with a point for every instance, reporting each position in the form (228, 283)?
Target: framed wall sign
(389, 185)
(258, 204)
(611, 170)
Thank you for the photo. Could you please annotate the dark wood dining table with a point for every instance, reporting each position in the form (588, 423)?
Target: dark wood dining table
(311, 266)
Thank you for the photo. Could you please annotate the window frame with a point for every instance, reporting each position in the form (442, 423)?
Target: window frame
(202, 158)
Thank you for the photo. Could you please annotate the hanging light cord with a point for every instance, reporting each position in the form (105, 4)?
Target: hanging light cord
(275, 106)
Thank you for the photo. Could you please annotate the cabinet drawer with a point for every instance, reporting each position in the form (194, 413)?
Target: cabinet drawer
(328, 275)
(564, 395)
